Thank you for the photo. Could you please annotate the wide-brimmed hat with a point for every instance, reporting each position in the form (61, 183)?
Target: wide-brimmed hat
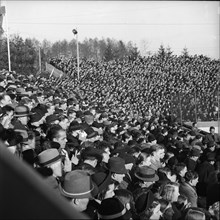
(21, 111)
(111, 208)
(48, 157)
(146, 174)
(102, 180)
(117, 165)
(78, 184)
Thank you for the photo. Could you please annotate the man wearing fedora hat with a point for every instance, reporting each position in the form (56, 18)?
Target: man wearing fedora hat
(21, 117)
(78, 188)
(146, 177)
(117, 167)
(51, 159)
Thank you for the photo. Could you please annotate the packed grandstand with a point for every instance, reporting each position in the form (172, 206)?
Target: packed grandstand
(116, 137)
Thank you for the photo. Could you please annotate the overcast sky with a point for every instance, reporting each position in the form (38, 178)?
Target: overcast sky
(179, 24)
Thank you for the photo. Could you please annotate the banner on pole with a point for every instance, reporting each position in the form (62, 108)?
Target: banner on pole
(53, 71)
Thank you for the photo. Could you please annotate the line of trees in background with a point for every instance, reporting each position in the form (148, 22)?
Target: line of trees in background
(25, 52)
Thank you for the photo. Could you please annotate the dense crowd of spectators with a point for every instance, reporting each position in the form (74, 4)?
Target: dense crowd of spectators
(111, 139)
(155, 83)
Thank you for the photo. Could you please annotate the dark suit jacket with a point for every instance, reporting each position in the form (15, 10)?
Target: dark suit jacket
(213, 194)
(204, 170)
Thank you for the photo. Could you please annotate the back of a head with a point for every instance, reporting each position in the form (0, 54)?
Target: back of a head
(193, 214)
(169, 190)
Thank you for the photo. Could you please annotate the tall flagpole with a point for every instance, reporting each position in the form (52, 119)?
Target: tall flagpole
(180, 108)
(75, 32)
(39, 60)
(77, 48)
(195, 103)
(8, 42)
(218, 96)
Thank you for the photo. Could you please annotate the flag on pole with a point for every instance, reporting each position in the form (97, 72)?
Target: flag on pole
(53, 71)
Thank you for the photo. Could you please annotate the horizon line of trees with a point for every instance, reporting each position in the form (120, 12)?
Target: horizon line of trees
(25, 52)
